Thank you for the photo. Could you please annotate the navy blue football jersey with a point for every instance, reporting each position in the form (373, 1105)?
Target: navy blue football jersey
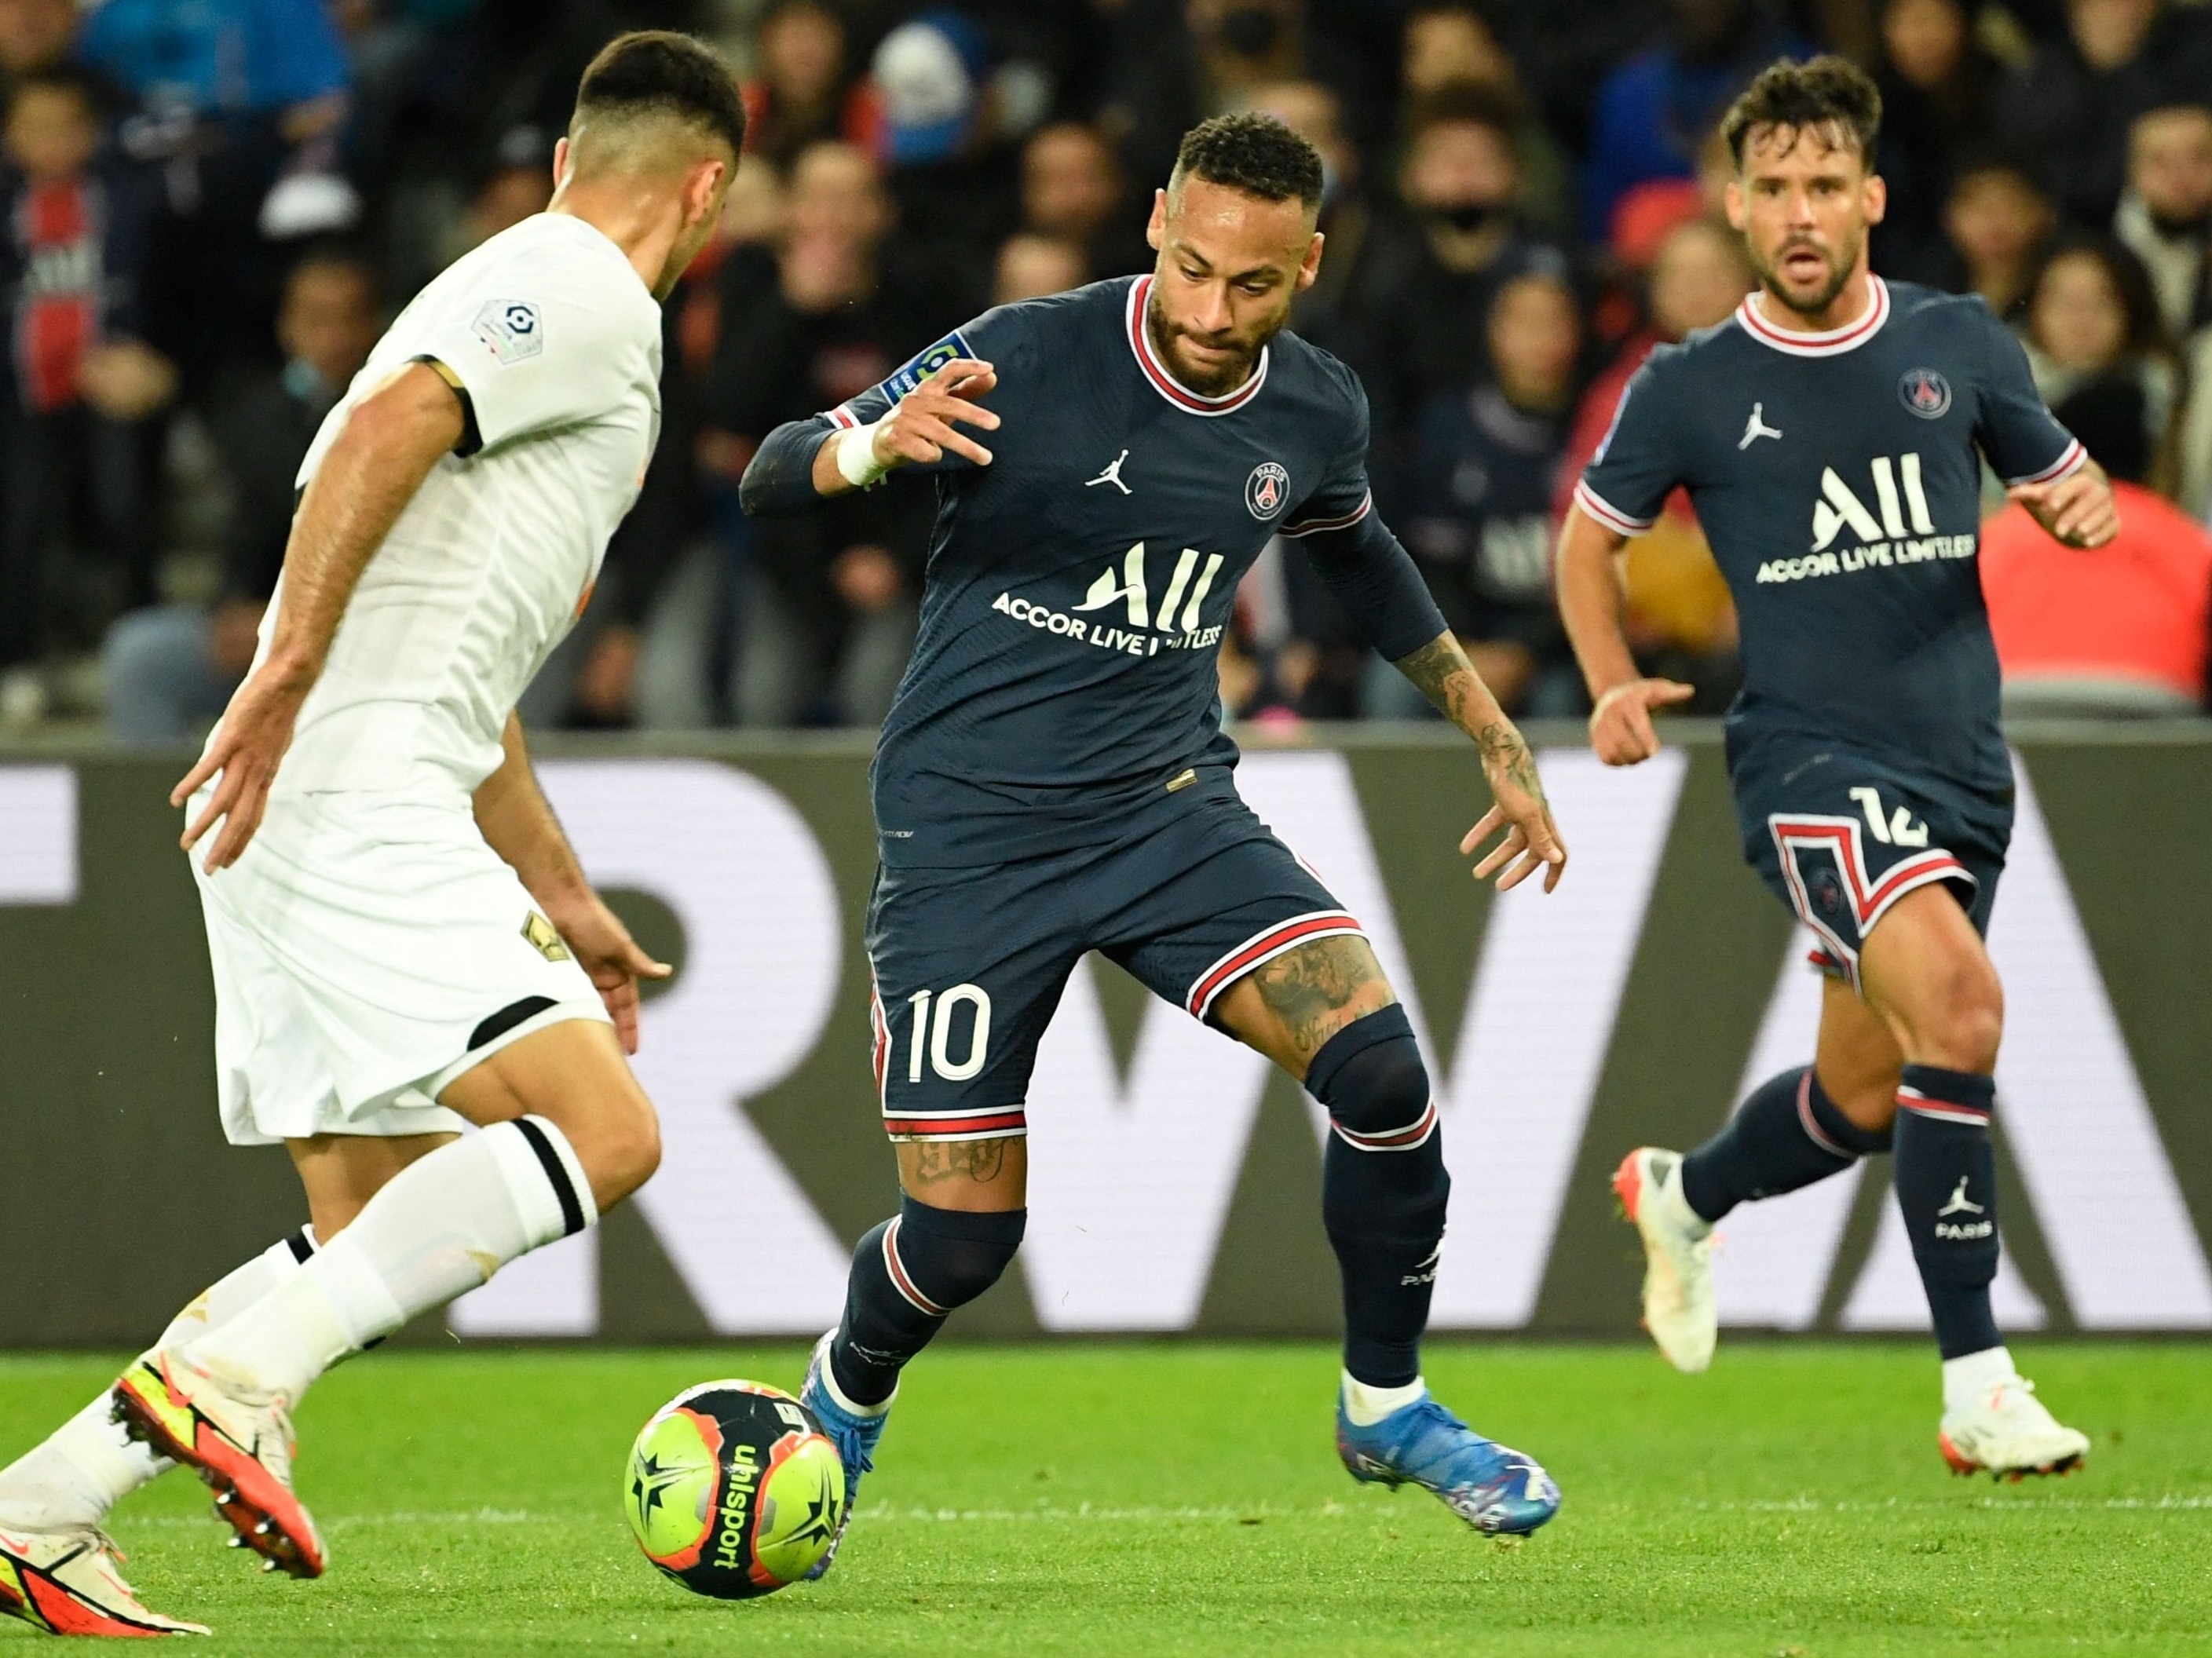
(1078, 586)
(1835, 476)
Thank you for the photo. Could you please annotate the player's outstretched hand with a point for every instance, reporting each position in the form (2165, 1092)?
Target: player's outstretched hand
(921, 429)
(2077, 510)
(242, 754)
(1532, 840)
(1621, 725)
(611, 959)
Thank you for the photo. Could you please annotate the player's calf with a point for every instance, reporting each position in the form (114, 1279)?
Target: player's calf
(1384, 1191)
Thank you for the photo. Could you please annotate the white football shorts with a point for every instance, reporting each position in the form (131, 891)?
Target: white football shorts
(369, 949)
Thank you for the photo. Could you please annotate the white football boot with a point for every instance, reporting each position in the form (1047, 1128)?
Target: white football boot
(1678, 1247)
(2005, 1431)
(65, 1582)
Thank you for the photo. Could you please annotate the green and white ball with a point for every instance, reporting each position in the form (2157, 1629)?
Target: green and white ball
(733, 1491)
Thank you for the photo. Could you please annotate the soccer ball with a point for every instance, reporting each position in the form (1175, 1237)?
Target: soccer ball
(733, 1491)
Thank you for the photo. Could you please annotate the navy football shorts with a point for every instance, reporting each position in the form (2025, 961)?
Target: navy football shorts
(970, 963)
(1841, 836)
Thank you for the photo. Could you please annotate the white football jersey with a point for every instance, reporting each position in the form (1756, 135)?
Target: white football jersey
(558, 343)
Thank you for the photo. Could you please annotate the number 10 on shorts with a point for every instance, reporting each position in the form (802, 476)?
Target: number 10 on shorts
(940, 1034)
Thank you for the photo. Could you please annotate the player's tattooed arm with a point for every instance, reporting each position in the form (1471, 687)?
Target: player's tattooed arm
(1532, 840)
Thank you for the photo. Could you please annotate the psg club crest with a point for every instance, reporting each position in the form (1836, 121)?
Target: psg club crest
(1925, 392)
(1268, 490)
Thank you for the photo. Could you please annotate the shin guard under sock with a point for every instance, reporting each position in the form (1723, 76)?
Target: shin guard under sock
(1947, 1191)
(908, 1276)
(1788, 1133)
(1384, 1190)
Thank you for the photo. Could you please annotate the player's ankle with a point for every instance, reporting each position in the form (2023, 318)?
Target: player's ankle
(1368, 1403)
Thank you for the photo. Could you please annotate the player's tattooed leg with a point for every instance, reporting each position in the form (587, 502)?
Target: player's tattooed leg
(970, 1174)
(1290, 1007)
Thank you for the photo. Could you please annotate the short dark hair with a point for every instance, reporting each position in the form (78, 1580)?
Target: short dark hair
(660, 72)
(1829, 95)
(1254, 153)
(1467, 103)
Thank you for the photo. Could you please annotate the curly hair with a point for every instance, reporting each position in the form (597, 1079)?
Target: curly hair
(1828, 95)
(1256, 154)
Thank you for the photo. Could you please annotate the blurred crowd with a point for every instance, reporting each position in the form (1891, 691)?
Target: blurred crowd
(213, 206)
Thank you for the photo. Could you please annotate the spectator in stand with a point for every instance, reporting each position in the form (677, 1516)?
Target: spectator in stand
(1655, 109)
(171, 669)
(1938, 90)
(955, 182)
(827, 606)
(34, 36)
(2165, 218)
(1451, 42)
(242, 101)
(1426, 291)
(515, 185)
(1477, 515)
(2093, 320)
(1030, 266)
(1072, 192)
(1680, 620)
(803, 92)
(1322, 312)
(2072, 104)
(2120, 630)
(81, 388)
(1996, 222)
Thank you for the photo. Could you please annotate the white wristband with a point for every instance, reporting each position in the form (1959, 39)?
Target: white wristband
(856, 455)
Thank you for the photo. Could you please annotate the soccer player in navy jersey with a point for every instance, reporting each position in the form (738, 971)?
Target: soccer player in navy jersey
(1831, 435)
(1054, 778)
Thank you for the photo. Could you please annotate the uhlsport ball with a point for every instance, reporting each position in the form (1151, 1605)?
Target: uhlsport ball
(733, 1491)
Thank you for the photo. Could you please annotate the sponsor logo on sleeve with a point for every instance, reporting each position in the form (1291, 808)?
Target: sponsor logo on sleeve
(511, 328)
(927, 364)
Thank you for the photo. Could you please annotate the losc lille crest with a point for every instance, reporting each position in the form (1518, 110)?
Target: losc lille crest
(1925, 392)
(1268, 490)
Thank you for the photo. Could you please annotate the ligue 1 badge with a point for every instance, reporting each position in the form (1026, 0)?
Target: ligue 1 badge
(1925, 392)
(1267, 490)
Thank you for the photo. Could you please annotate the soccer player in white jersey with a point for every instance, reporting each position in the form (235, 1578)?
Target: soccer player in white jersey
(403, 941)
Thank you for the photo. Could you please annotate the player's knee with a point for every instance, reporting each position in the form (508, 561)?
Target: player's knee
(1383, 1170)
(950, 1256)
(1967, 1020)
(622, 1149)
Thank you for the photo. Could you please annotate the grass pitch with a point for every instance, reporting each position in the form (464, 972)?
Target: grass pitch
(1159, 1499)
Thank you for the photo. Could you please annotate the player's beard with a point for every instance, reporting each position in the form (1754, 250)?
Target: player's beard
(1209, 380)
(1839, 273)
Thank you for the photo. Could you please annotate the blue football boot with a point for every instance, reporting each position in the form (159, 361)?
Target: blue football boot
(854, 1437)
(1496, 1491)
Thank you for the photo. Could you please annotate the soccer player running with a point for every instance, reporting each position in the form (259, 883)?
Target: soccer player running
(1828, 434)
(1053, 778)
(402, 939)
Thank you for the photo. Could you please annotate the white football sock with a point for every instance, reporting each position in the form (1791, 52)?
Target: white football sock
(1968, 1378)
(88, 1464)
(1677, 1206)
(1368, 1405)
(442, 1226)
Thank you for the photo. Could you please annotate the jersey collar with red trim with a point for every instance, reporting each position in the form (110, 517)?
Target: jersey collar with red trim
(1833, 342)
(1165, 383)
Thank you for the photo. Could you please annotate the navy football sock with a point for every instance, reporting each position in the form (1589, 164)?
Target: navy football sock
(1384, 1191)
(1789, 1133)
(1946, 1190)
(908, 1274)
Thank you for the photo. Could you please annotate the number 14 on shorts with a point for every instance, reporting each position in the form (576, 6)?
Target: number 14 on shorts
(940, 1035)
(1897, 829)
